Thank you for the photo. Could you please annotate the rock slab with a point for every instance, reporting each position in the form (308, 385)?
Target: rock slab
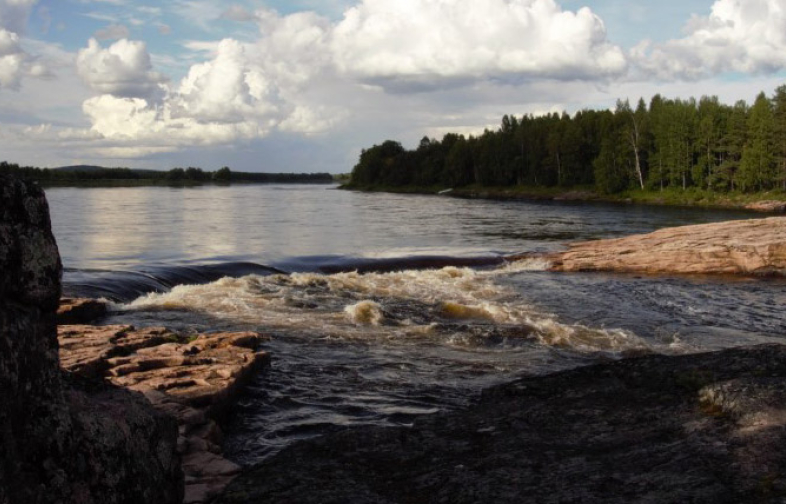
(707, 428)
(744, 247)
(64, 439)
(193, 378)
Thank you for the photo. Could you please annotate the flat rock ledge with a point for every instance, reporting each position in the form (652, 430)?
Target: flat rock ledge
(193, 378)
(704, 428)
(743, 247)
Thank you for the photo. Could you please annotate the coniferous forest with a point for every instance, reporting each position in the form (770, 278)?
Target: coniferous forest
(668, 143)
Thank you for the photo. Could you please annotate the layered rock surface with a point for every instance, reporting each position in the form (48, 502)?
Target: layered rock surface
(62, 438)
(705, 428)
(193, 378)
(744, 247)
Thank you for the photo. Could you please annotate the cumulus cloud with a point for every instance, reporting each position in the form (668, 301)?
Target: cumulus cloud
(136, 127)
(738, 36)
(12, 60)
(123, 69)
(113, 32)
(15, 63)
(228, 88)
(304, 69)
(429, 42)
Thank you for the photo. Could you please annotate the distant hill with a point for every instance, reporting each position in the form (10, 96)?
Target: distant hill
(80, 168)
(94, 169)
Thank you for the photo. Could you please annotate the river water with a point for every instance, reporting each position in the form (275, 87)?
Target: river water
(384, 307)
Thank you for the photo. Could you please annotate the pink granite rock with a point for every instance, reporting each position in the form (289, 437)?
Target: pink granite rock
(744, 247)
(193, 378)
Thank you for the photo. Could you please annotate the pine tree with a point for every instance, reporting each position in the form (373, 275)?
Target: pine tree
(757, 164)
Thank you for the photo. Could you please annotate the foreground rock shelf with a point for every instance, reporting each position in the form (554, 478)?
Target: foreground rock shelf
(744, 247)
(707, 428)
(193, 378)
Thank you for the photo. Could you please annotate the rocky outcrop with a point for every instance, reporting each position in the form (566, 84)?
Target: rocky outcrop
(194, 378)
(767, 206)
(707, 428)
(744, 247)
(64, 439)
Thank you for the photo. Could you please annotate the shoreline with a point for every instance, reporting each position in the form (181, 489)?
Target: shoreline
(769, 202)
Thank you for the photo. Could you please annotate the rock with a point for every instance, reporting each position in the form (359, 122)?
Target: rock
(743, 247)
(64, 439)
(193, 378)
(646, 429)
(770, 206)
(80, 311)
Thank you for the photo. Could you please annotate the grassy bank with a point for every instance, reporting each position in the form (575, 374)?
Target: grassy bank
(668, 197)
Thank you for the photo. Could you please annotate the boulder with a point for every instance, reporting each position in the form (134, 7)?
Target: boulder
(64, 439)
(742, 247)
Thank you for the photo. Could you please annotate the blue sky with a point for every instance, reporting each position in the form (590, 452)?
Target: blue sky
(305, 85)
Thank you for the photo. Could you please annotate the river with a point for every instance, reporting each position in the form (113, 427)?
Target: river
(383, 307)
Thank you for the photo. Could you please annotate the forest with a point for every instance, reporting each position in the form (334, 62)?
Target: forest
(668, 143)
(191, 175)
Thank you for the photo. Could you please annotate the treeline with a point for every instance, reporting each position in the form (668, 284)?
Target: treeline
(192, 175)
(666, 143)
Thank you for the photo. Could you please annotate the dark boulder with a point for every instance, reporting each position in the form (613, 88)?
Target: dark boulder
(64, 439)
(707, 428)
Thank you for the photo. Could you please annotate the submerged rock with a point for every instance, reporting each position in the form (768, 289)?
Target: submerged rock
(707, 428)
(80, 311)
(746, 247)
(64, 439)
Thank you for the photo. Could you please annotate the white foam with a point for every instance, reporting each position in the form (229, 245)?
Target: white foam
(344, 305)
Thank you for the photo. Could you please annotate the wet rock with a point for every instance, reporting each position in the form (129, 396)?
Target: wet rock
(744, 247)
(64, 439)
(194, 378)
(80, 311)
(647, 429)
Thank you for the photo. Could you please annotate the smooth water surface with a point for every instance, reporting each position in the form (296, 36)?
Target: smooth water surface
(385, 307)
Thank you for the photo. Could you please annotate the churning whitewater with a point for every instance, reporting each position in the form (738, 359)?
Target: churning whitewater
(459, 307)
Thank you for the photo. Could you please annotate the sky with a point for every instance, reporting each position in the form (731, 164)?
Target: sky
(305, 85)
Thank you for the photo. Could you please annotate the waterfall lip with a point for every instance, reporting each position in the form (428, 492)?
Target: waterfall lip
(127, 284)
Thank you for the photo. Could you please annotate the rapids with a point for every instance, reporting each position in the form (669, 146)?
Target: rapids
(384, 307)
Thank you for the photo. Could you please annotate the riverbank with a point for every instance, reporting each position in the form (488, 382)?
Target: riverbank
(768, 202)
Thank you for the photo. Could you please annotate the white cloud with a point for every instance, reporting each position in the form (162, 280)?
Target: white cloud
(123, 69)
(738, 36)
(305, 73)
(15, 63)
(431, 42)
(136, 127)
(12, 60)
(113, 32)
(228, 88)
